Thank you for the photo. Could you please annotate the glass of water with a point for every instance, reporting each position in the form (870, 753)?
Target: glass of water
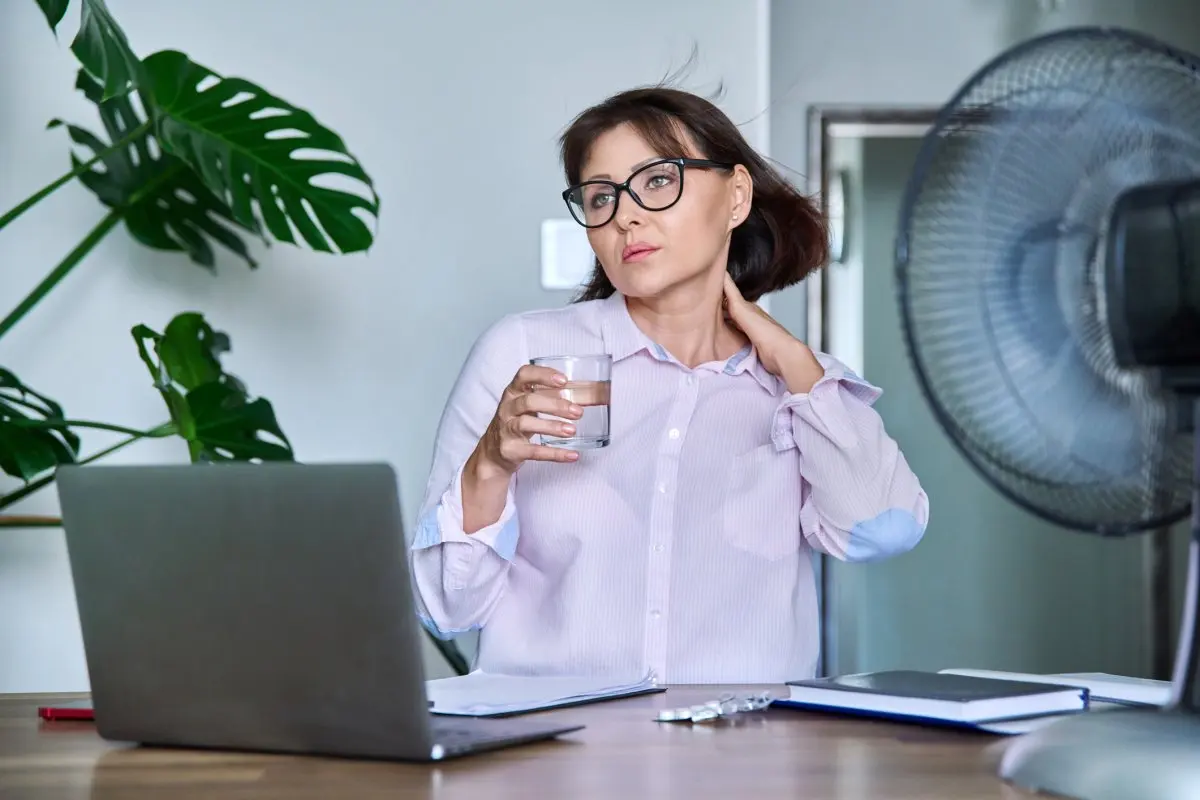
(589, 385)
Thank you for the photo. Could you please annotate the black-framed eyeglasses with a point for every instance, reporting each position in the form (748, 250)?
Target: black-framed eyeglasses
(655, 187)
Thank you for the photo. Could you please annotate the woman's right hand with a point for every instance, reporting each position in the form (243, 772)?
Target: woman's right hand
(506, 444)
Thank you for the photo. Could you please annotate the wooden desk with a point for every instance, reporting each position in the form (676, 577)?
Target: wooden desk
(622, 754)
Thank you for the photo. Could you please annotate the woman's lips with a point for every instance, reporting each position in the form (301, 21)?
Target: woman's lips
(638, 252)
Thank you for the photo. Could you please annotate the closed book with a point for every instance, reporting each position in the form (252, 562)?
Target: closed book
(933, 696)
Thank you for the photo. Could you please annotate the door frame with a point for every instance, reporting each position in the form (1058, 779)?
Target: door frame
(824, 123)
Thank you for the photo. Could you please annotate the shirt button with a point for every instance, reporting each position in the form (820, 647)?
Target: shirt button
(655, 614)
(658, 548)
(673, 433)
(690, 379)
(662, 488)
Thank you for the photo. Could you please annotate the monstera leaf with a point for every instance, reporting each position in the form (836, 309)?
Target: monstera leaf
(259, 153)
(163, 203)
(34, 436)
(100, 45)
(209, 407)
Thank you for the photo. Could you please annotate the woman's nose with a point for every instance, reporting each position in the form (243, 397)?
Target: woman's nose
(629, 213)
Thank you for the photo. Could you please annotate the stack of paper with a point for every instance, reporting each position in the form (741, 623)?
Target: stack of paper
(481, 694)
(1017, 727)
(1101, 686)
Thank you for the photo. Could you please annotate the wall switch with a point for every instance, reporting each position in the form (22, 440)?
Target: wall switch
(567, 257)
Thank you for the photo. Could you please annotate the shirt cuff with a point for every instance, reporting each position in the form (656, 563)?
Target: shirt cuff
(828, 407)
(443, 524)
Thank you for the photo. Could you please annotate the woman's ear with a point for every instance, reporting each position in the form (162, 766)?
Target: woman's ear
(742, 186)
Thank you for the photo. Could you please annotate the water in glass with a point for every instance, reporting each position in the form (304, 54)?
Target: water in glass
(589, 385)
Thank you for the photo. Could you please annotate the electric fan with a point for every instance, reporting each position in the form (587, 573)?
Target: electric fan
(1049, 287)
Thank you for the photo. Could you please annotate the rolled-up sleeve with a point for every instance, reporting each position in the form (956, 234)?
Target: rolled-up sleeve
(459, 578)
(860, 500)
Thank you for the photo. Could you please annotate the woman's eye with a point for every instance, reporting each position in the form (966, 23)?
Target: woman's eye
(658, 180)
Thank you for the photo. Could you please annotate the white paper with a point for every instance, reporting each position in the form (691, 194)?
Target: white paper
(1016, 727)
(1121, 688)
(482, 694)
(1101, 686)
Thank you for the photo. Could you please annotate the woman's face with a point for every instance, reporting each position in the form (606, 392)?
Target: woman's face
(646, 254)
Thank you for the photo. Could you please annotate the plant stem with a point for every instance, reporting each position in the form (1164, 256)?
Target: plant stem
(451, 653)
(58, 424)
(33, 200)
(30, 522)
(165, 429)
(64, 267)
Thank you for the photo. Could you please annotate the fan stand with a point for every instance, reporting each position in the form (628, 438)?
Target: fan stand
(1127, 754)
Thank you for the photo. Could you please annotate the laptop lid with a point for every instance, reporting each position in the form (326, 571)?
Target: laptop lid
(255, 606)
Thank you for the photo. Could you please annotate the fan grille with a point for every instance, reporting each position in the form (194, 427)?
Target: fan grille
(1001, 284)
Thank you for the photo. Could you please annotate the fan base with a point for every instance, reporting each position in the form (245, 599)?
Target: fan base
(1123, 754)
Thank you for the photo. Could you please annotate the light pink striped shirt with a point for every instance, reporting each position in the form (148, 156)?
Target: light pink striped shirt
(684, 547)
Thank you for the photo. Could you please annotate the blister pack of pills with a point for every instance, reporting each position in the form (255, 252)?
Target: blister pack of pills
(727, 705)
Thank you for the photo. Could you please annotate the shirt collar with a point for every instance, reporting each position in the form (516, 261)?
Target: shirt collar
(623, 338)
(746, 360)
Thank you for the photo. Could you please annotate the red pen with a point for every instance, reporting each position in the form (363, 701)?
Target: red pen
(69, 710)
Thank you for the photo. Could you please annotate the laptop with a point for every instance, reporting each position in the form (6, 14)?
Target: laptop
(259, 607)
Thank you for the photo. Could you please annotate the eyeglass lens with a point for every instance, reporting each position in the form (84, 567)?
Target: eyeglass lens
(656, 187)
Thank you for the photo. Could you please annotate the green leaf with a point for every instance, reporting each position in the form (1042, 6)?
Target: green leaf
(189, 352)
(100, 45)
(229, 425)
(164, 204)
(210, 408)
(253, 149)
(34, 436)
(54, 10)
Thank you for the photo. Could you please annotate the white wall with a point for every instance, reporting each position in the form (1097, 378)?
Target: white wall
(453, 107)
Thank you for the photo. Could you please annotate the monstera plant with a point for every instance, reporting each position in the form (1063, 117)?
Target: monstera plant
(190, 162)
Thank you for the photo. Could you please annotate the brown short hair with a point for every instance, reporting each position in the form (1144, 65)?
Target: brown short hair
(784, 239)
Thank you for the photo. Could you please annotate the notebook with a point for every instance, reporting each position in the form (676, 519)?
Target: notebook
(934, 697)
(482, 694)
(1101, 686)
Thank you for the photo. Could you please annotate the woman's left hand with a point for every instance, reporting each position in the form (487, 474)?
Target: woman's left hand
(782, 354)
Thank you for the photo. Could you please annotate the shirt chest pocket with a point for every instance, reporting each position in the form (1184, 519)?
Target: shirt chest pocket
(761, 509)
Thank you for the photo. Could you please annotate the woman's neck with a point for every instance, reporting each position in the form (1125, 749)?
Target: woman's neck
(689, 322)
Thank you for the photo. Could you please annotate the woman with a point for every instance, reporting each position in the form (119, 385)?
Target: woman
(685, 546)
